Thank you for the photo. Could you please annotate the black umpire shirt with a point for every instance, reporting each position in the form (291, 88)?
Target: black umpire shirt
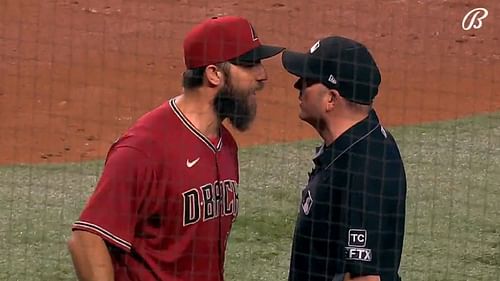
(352, 213)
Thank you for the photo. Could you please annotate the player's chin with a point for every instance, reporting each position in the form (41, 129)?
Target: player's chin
(242, 123)
(240, 127)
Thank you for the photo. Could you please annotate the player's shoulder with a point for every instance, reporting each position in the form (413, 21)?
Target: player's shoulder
(146, 132)
(156, 120)
(228, 139)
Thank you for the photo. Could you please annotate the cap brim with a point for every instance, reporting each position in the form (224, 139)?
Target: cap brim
(298, 64)
(259, 53)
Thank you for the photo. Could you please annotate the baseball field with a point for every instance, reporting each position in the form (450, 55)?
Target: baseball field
(74, 74)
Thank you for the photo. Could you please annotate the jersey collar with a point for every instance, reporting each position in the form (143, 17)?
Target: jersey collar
(326, 155)
(194, 130)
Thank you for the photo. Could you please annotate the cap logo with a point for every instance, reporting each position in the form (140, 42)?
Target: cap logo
(314, 47)
(254, 35)
(332, 80)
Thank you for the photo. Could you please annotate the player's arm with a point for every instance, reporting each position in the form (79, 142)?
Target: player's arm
(90, 257)
(110, 216)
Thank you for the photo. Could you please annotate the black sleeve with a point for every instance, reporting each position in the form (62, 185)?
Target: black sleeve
(376, 216)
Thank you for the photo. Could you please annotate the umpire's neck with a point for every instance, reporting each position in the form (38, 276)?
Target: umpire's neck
(342, 117)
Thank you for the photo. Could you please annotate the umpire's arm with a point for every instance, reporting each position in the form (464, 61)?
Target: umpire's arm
(347, 277)
(375, 228)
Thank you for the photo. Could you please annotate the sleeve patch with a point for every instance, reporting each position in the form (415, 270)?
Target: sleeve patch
(358, 254)
(357, 238)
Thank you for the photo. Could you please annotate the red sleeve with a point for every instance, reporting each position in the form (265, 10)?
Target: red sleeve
(112, 210)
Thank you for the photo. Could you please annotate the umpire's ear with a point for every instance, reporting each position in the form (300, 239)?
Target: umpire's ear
(214, 76)
(333, 97)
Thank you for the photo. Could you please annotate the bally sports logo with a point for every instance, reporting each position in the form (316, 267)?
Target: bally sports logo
(474, 19)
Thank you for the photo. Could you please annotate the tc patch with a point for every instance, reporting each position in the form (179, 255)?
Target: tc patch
(358, 254)
(357, 238)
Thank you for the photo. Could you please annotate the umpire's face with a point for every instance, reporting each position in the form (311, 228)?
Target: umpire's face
(236, 100)
(314, 98)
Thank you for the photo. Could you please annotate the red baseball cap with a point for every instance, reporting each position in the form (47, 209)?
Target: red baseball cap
(226, 38)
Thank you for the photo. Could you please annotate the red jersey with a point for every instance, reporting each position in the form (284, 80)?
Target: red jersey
(166, 200)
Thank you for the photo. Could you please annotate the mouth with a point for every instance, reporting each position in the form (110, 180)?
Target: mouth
(259, 87)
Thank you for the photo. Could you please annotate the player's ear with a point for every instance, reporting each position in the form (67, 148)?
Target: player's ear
(213, 75)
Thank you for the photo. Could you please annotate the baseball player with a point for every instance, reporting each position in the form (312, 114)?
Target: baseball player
(167, 197)
(351, 218)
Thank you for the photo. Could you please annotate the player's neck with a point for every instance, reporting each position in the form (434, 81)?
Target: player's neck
(199, 111)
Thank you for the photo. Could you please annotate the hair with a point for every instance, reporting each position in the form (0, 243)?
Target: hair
(358, 107)
(193, 78)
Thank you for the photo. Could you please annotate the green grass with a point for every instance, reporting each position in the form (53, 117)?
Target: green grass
(453, 210)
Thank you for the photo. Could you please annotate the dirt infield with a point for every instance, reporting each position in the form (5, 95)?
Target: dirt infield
(75, 74)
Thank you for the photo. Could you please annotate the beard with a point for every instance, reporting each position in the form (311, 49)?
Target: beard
(235, 105)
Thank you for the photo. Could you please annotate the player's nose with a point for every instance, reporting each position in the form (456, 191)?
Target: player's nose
(260, 73)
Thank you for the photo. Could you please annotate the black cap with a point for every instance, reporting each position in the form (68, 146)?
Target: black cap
(339, 63)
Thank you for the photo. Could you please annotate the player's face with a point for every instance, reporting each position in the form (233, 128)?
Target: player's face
(313, 97)
(236, 100)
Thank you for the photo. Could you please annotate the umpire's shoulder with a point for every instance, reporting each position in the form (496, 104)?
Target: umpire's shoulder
(391, 147)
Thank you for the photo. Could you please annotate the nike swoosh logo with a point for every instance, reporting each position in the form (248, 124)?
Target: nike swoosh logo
(190, 164)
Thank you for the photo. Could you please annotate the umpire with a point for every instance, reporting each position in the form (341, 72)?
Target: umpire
(352, 214)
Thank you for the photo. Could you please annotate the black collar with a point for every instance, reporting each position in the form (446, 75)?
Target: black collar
(326, 155)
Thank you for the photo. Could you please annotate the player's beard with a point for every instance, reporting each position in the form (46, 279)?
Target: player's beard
(235, 104)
